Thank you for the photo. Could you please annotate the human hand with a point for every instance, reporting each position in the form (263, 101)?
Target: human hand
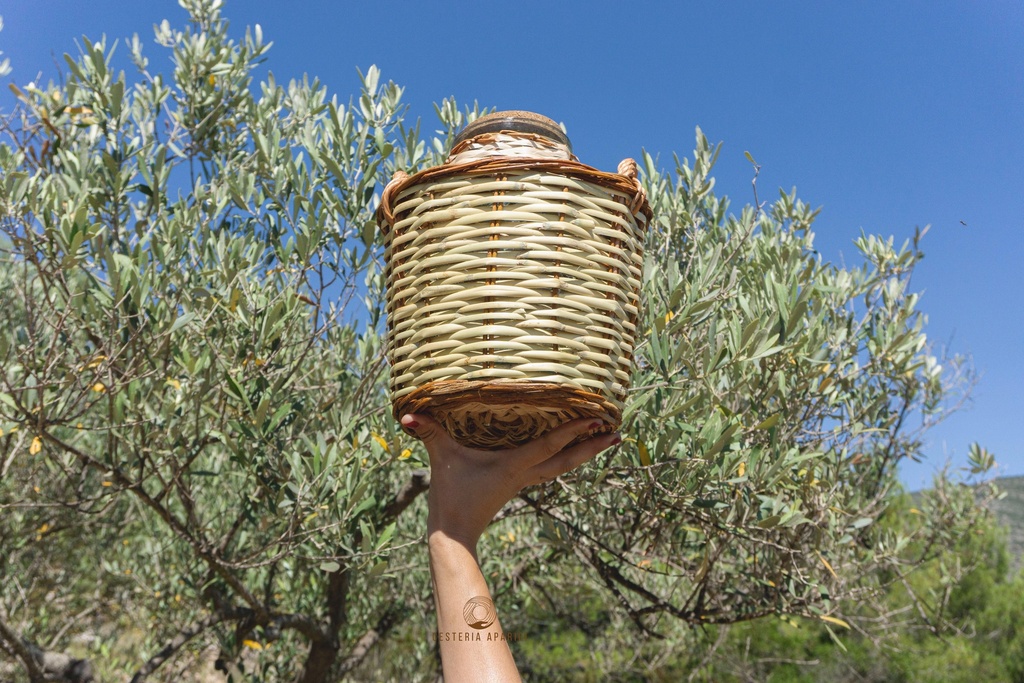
(468, 487)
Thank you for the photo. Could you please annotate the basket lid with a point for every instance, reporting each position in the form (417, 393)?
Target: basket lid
(514, 121)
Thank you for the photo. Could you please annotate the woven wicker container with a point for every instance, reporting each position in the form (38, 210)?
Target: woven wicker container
(513, 276)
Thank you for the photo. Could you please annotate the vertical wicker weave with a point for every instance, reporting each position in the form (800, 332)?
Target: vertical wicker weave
(513, 274)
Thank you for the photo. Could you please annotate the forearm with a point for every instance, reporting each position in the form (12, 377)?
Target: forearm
(472, 650)
(468, 488)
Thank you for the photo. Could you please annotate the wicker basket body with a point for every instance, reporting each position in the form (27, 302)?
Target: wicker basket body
(513, 289)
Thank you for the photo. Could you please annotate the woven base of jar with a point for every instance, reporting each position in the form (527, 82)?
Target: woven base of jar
(500, 414)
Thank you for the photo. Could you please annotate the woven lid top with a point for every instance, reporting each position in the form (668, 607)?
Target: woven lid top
(514, 121)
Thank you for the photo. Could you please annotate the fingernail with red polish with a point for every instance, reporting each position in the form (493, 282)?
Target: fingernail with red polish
(410, 423)
(617, 440)
(594, 425)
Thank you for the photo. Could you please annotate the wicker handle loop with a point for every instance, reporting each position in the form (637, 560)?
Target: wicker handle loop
(629, 169)
(386, 207)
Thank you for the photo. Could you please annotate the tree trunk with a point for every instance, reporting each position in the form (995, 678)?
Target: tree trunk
(323, 653)
(319, 662)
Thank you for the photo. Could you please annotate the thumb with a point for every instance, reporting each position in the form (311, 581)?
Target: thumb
(424, 428)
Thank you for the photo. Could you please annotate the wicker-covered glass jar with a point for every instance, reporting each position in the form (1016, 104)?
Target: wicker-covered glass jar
(513, 275)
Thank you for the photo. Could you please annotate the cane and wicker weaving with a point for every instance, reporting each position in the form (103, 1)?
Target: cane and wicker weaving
(513, 284)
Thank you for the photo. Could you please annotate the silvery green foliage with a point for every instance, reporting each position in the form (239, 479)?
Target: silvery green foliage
(187, 261)
(5, 63)
(197, 447)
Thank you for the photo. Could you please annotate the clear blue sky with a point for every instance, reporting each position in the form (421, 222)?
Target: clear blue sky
(887, 115)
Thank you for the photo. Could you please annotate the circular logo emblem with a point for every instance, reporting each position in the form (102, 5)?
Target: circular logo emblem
(479, 612)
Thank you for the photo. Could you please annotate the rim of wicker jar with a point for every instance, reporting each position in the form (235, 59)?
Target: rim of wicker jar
(513, 284)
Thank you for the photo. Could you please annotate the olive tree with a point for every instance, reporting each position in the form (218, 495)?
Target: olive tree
(198, 465)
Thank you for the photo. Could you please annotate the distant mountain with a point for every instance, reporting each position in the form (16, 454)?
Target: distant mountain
(1010, 512)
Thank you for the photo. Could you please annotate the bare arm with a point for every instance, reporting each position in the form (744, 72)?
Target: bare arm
(467, 488)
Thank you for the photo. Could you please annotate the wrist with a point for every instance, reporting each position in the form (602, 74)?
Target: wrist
(441, 539)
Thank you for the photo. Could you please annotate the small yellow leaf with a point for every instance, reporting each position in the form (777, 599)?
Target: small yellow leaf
(43, 529)
(157, 594)
(96, 361)
(177, 598)
(37, 445)
(742, 469)
(36, 489)
(770, 582)
(669, 316)
(78, 426)
(173, 382)
(379, 439)
(405, 454)
(99, 387)
(643, 564)
(827, 565)
(645, 457)
(107, 483)
(915, 511)
(834, 620)
(250, 643)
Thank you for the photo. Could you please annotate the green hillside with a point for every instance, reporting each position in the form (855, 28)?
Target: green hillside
(1010, 512)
